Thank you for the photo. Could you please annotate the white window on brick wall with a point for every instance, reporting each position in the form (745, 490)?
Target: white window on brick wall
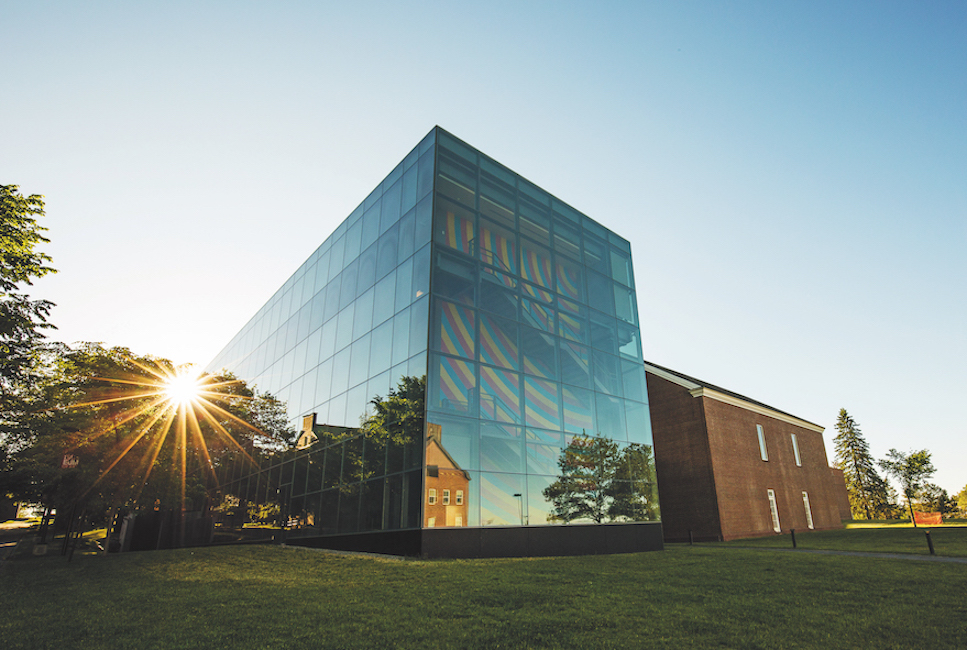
(431, 522)
(446, 497)
(431, 497)
(809, 512)
(762, 442)
(459, 497)
(795, 450)
(774, 509)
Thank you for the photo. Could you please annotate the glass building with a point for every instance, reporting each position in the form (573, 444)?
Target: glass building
(463, 357)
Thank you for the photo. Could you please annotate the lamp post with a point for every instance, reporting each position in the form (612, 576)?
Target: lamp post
(520, 507)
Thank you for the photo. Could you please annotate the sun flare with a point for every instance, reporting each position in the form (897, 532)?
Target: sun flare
(182, 388)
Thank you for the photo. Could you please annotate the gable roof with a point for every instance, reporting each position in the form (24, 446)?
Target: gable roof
(699, 388)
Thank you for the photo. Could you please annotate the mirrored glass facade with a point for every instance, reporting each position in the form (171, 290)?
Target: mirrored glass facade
(469, 347)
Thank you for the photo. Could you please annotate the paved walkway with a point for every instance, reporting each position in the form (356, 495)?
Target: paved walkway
(889, 556)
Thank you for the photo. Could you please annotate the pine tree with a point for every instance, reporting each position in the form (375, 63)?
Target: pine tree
(867, 491)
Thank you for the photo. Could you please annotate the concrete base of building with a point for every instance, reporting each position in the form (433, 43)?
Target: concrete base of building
(509, 541)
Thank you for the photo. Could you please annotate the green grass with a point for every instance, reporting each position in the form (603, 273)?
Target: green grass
(948, 541)
(685, 597)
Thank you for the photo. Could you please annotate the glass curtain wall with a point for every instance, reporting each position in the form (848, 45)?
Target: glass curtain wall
(345, 339)
(537, 408)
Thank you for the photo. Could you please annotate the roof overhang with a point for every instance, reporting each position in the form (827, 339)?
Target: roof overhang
(697, 390)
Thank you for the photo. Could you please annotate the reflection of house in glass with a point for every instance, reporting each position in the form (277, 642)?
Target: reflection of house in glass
(456, 334)
(446, 484)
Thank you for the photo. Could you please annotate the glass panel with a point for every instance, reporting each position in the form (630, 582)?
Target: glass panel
(370, 229)
(499, 395)
(624, 302)
(384, 298)
(539, 510)
(572, 321)
(455, 279)
(382, 349)
(501, 499)
(424, 178)
(363, 314)
(407, 228)
(542, 459)
(404, 282)
(629, 344)
(538, 315)
(536, 264)
(610, 417)
(453, 386)
(497, 246)
(419, 315)
(600, 293)
(621, 268)
(458, 436)
(347, 293)
(578, 409)
(409, 189)
(344, 327)
(633, 380)
(534, 222)
(539, 353)
(455, 330)
(388, 248)
(401, 337)
(501, 454)
(424, 222)
(353, 239)
(570, 279)
(596, 254)
(390, 212)
(603, 334)
(498, 341)
(639, 423)
(605, 373)
(454, 226)
(540, 403)
(575, 365)
(457, 179)
(496, 298)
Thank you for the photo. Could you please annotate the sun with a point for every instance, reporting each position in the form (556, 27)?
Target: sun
(182, 388)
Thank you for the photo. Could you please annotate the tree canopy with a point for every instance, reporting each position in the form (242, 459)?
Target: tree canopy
(22, 320)
(911, 470)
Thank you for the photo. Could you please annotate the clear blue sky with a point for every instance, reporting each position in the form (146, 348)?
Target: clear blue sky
(792, 176)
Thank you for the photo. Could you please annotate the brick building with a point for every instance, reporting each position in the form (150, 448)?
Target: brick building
(730, 467)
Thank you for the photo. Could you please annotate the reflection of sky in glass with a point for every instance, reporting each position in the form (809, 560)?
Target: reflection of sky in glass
(498, 505)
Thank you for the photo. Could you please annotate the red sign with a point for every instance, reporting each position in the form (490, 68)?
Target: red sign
(69, 461)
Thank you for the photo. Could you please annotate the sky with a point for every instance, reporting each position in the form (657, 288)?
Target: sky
(792, 177)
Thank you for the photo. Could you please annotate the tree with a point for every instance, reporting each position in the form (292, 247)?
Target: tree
(868, 492)
(962, 502)
(128, 442)
(934, 498)
(22, 320)
(910, 470)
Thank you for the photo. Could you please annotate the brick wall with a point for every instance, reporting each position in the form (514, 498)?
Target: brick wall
(686, 489)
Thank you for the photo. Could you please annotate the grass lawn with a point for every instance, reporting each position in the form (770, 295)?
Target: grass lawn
(948, 541)
(684, 597)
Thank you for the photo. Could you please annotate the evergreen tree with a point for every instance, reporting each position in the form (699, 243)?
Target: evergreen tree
(868, 496)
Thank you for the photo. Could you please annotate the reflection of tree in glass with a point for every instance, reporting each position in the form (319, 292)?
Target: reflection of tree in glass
(634, 490)
(390, 434)
(601, 482)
